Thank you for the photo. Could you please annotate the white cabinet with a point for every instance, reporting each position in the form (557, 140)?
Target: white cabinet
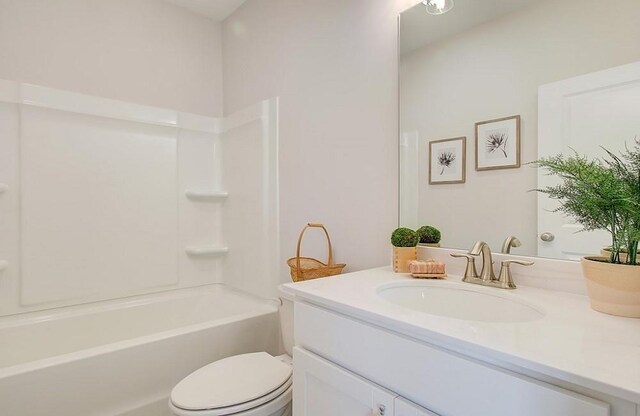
(323, 388)
(406, 408)
(442, 381)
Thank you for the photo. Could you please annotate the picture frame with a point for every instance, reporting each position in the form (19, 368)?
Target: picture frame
(448, 161)
(498, 143)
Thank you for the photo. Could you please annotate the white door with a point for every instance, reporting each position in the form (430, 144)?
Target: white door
(321, 388)
(583, 113)
(404, 407)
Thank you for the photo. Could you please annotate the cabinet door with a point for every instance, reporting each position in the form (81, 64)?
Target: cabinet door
(406, 408)
(322, 388)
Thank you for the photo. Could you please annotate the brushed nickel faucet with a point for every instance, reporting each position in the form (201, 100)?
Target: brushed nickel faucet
(487, 277)
(486, 274)
(505, 281)
(511, 241)
(470, 272)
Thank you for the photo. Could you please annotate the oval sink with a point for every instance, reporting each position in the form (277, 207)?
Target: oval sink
(458, 302)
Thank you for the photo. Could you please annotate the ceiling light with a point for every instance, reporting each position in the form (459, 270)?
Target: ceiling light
(438, 6)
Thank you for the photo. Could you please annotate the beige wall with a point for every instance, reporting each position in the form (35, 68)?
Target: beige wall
(492, 71)
(333, 63)
(143, 51)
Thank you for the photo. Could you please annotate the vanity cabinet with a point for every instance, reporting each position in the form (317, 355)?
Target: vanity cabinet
(404, 407)
(343, 366)
(323, 388)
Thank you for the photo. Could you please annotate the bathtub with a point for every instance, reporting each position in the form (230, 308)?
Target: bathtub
(123, 357)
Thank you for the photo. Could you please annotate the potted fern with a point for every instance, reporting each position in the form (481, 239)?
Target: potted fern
(604, 194)
(404, 241)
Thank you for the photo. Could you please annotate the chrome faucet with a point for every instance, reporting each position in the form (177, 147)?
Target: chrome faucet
(511, 241)
(486, 274)
(487, 277)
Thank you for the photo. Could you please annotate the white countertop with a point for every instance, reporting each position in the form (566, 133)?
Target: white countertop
(572, 342)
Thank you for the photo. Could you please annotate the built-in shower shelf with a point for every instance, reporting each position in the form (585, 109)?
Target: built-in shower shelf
(3, 265)
(206, 251)
(206, 196)
(3, 188)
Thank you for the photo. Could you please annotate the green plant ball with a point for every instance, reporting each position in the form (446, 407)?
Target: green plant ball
(429, 235)
(404, 237)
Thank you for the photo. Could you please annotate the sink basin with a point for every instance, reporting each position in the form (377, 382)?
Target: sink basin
(456, 301)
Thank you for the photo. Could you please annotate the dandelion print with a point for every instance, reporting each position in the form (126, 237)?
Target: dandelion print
(497, 143)
(445, 160)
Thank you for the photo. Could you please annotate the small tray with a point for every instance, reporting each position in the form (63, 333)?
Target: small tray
(429, 275)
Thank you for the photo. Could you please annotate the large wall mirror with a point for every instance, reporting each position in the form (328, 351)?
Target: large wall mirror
(491, 85)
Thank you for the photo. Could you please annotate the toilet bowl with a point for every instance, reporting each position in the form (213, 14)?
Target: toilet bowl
(254, 384)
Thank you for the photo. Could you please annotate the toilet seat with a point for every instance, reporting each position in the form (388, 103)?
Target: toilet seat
(232, 385)
(277, 406)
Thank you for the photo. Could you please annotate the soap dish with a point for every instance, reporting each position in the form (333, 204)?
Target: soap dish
(429, 275)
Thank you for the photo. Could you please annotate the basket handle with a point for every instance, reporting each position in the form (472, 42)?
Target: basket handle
(313, 225)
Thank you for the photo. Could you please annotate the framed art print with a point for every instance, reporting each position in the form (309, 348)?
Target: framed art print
(447, 161)
(498, 143)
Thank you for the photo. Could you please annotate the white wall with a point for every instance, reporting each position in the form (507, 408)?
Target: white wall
(492, 71)
(333, 63)
(143, 51)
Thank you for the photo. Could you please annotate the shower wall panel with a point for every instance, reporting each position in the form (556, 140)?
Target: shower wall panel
(103, 199)
(94, 199)
(98, 206)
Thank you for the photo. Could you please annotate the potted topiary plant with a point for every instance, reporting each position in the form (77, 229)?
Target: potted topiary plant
(429, 236)
(604, 195)
(404, 241)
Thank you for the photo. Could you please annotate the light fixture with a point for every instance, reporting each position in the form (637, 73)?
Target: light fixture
(438, 6)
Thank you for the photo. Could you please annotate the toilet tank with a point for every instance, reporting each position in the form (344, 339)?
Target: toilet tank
(286, 321)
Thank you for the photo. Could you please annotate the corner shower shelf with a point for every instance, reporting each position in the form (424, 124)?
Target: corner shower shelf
(211, 196)
(3, 265)
(206, 251)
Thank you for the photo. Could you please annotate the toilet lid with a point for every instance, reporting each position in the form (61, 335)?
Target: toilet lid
(232, 381)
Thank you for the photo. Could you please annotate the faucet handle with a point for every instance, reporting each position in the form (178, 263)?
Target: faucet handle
(470, 272)
(505, 279)
(461, 255)
(514, 261)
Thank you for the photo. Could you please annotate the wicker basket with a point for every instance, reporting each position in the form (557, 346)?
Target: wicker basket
(306, 268)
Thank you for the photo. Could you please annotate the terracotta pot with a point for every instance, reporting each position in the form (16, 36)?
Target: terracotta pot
(612, 288)
(401, 258)
(605, 252)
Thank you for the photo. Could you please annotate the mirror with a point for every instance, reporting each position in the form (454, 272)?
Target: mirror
(492, 85)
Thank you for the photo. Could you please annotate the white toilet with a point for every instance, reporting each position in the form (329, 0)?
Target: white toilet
(255, 384)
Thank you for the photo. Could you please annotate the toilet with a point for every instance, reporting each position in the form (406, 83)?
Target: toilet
(254, 384)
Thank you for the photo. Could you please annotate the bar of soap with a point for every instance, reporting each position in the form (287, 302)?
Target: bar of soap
(426, 267)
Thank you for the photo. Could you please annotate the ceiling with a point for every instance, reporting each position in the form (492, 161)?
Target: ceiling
(418, 28)
(217, 10)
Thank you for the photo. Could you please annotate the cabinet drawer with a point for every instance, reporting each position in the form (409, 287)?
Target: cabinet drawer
(443, 381)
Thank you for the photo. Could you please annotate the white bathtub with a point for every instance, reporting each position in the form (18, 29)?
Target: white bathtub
(123, 357)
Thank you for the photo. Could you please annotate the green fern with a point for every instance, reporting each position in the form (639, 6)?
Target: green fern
(600, 194)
